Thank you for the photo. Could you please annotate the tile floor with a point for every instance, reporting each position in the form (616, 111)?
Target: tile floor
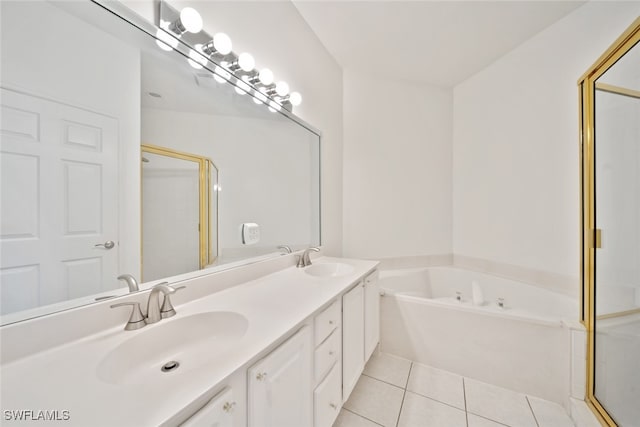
(395, 392)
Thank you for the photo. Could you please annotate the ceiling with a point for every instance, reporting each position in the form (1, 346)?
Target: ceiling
(436, 42)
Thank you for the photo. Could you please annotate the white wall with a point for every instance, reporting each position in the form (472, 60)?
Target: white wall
(516, 187)
(265, 179)
(397, 168)
(280, 39)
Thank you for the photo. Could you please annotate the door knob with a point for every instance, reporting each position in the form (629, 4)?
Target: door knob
(109, 244)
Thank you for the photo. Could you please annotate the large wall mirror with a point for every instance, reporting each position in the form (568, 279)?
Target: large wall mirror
(610, 94)
(119, 157)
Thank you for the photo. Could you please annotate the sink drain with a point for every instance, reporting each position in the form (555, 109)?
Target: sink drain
(170, 366)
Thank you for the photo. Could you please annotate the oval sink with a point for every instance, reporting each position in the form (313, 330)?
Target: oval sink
(329, 269)
(191, 341)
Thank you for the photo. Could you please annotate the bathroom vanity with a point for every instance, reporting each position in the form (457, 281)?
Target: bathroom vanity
(279, 349)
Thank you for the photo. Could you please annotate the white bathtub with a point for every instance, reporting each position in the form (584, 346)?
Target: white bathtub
(522, 346)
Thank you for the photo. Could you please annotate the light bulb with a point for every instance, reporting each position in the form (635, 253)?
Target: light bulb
(165, 41)
(260, 96)
(242, 87)
(282, 88)
(266, 76)
(221, 75)
(295, 98)
(196, 60)
(222, 43)
(273, 106)
(246, 61)
(191, 20)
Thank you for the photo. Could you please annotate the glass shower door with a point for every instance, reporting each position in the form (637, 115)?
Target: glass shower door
(616, 324)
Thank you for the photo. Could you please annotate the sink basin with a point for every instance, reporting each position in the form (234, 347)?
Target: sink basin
(329, 269)
(191, 341)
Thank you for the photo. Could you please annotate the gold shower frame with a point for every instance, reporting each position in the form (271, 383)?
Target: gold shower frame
(590, 236)
(206, 169)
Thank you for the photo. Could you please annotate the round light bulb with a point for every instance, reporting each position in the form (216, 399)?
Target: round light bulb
(165, 41)
(260, 96)
(266, 76)
(196, 60)
(242, 88)
(221, 75)
(246, 61)
(222, 43)
(274, 106)
(191, 20)
(282, 88)
(295, 98)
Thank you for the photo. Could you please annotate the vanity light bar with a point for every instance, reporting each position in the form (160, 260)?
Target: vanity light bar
(215, 52)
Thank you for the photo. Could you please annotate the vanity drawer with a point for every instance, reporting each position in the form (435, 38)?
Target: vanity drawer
(327, 398)
(326, 322)
(327, 354)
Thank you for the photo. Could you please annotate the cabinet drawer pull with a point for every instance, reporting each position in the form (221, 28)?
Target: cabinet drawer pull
(261, 376)
(228, 406)
(331, 353)
(331, 322)
(333, 405)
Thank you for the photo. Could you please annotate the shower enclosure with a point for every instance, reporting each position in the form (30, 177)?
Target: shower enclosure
(610, 122)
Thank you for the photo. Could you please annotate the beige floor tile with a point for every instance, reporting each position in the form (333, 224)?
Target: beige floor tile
(549, 414)
(419, 411)
(376, 400)
(388, 368)
(498, 404)
(349, 419)
(437, 384)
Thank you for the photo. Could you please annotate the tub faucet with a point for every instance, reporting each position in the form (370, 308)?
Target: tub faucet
(459, 296)
(304, 260)
(500, 302)
(131, 282)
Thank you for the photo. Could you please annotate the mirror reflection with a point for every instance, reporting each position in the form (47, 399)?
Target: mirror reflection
(81, 206)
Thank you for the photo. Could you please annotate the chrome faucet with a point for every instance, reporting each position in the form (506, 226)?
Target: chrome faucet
(131, 282)
(154, 312)
(304, 260)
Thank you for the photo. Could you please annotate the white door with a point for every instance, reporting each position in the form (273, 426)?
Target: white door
(59, 200)
(218, 412)
(371, 314)
(280, 388)
(352, 339)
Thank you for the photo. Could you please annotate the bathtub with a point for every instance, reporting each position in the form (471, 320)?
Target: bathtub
(428, 315)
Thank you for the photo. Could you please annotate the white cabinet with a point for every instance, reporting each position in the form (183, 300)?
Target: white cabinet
(352, 339)
(327, 399)
(280, 387)
(371, 314)
(218, 412)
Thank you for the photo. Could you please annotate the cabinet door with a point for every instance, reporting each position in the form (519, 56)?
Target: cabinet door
(280, 389)
(371, 314)
(218, 412)
(352, 339)
(327, 398)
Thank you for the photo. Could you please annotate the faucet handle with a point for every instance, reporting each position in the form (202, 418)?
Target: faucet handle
(286, 248)
(167, 309)
(136, 320)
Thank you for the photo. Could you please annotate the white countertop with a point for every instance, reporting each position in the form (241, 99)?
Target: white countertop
(65, 377)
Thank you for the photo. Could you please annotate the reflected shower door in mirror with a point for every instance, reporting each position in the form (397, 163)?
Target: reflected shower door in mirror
(617, 261)
(72, 217)
(179, 212)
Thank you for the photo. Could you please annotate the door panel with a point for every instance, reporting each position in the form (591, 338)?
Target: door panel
(59, 199)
